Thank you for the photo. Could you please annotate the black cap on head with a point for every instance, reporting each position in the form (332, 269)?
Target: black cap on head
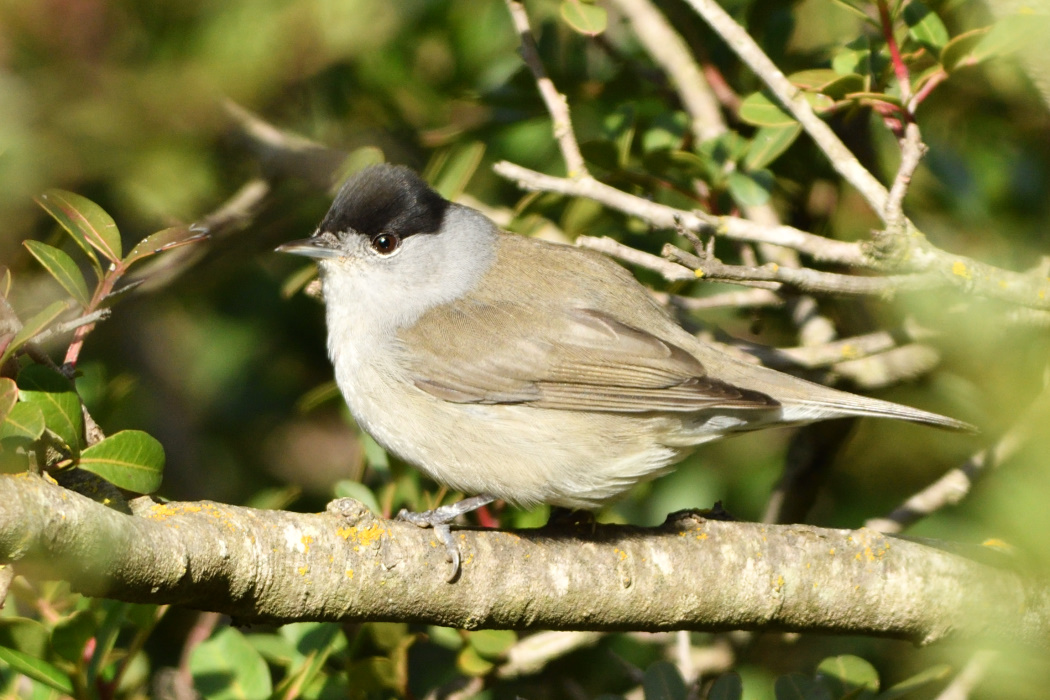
(386, 198)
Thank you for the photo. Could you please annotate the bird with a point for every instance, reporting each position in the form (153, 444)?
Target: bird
(513, 368)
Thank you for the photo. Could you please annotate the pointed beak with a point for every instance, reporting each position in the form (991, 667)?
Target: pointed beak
(317, 247)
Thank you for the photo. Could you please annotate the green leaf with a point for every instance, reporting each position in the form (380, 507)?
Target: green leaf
(347, 488)
(58, 401)
(471, 663)
(84, 220)
(662, 681)
(131, 460)
(769, 142)
(227, 667)
(957, 52)
(8, 396)
(1010, 34)
(37, 670)
(34, 326)
(584, 17)
(62, 268)
(728, 686)
(796, 686)
(750, 189)
(450, 173)
(25, 420)
(666, 130)
(814, 79)
(925, 26)
(759, 110)
(162, 240)
(934, 674)
(847, 675)
(619, 128)
(25, 635)
(71, 635)
(492, 644)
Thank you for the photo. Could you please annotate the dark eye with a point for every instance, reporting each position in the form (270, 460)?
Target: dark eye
(386, 243)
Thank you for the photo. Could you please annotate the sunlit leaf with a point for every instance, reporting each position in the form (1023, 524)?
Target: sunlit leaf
(848, 674)
(36, 669)
(58, 401)
(25, 420)
(750, 189)
(62, 268)
(759, 110)
(84, 220)
(8, 396)
(227, 667)
(665, 131)
(471, 663)
(584, 17)
(492, 644)
(662, 681)
(162, 240)
(131, 460)
(857, 11)
(958, 51)
(34, 326)
(925, 26)
(768, 143)
(5, 283)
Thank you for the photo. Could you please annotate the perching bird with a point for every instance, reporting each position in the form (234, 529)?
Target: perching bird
(517, 369)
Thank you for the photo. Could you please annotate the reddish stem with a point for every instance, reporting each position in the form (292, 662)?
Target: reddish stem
(899, 68)
(103, 290)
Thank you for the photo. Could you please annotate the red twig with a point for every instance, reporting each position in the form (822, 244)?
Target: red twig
(899, 68)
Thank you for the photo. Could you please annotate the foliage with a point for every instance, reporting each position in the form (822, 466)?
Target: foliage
(189, 349)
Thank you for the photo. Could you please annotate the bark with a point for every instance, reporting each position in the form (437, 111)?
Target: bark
(347, 565)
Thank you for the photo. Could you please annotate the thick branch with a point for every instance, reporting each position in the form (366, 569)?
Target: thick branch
(348, 565)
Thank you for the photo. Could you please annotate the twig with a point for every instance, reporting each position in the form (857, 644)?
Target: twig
(804, 279)
(912, 151)
(71, 325)
(847, 165)
(663, 216)
(671, 53)
(556, 103)
(950, 488)
(743, 299)
(670, 271)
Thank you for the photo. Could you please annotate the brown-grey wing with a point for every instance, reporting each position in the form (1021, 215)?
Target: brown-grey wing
(584, 360)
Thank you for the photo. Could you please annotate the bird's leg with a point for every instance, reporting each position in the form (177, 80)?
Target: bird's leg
(440, 517)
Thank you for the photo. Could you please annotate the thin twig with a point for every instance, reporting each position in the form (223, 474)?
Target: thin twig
(912, 151)
(670, 271)
(742, 299)
(663, 216)
(556, 103)
(804, 279)
(72, 325)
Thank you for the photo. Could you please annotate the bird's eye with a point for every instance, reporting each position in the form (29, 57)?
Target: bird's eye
(386, 243)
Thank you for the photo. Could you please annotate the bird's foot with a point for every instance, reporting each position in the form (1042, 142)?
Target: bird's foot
(439, 519)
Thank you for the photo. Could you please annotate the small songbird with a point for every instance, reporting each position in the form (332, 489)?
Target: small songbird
(512, 368)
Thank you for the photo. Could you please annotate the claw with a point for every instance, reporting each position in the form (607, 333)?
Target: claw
(439, 518)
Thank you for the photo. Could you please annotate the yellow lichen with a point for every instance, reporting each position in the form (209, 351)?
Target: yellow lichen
(960, 269)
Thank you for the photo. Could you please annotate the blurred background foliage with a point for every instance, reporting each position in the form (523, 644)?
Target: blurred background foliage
(129, 103)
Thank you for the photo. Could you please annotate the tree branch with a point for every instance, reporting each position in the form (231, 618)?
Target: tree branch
(348, 565)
